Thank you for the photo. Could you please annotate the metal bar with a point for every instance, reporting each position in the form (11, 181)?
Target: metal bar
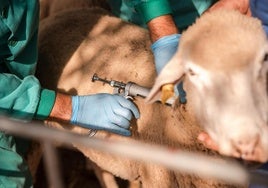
(183, 161)
(52, 165)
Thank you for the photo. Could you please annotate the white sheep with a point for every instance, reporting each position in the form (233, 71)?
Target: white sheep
(75, 44)
(223, 58)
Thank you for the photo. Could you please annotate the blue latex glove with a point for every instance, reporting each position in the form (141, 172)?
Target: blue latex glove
(163, 50)
(104, 112)
(259, 9)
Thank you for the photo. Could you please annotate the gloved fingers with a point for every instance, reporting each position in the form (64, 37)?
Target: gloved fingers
(179, 91)
(121, 121)
(118, 130)
(110, 127)
(123, 112)
(164, 49)
(166, 41)
(118, 114)
(130, 106)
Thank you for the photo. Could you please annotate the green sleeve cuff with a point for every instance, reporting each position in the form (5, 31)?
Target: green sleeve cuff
(46, 103)
(153, 9)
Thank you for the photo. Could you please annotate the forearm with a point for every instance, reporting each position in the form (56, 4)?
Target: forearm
(62, 109)
(161, 26)
(157, 16)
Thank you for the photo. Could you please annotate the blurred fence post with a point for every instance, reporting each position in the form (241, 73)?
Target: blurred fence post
(178, 160)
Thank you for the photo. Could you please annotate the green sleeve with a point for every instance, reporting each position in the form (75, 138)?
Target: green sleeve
(24, 99)
(152, 8)
(46, 103)
(21, 95)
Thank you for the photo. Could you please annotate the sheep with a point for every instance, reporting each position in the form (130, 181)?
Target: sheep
(229, 78)
(49, 7)
(75, 44)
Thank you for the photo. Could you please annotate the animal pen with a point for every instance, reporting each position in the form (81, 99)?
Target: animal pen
(180, 160)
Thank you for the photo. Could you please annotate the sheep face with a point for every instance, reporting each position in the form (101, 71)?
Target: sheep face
(223, 59)
(232, 106)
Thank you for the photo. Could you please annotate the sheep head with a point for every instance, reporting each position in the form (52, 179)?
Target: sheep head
(223, 57)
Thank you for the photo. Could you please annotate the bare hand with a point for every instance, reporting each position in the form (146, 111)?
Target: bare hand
(205, 139)
(240, 5)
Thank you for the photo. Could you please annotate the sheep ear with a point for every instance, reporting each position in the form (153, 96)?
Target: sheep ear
(170, 74)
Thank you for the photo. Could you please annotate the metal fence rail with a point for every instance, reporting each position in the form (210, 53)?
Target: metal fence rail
(181, 161)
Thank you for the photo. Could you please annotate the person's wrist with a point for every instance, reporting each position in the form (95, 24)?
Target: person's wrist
(75, 107)
(62, 108)
(164, 49)
(166, 40)
(162, 26)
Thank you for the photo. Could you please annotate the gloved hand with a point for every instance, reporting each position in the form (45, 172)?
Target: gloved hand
(259, 9)
(163, 50)
(104, 112)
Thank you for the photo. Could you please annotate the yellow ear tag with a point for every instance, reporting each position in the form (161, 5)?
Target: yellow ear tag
(167, 92)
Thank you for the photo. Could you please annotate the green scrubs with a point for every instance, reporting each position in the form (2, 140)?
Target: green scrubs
(140, 12)
(21, 95)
